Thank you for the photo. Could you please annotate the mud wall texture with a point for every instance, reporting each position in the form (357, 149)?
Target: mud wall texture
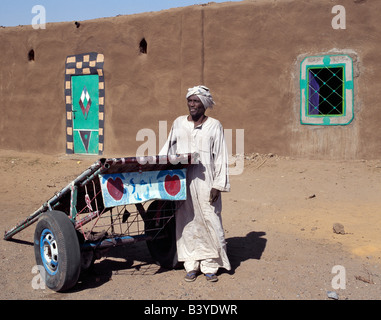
(248, 53)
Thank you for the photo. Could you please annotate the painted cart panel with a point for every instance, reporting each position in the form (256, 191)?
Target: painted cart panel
(137, 187)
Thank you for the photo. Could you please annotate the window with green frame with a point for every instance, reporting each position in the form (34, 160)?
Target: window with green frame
(326, 90)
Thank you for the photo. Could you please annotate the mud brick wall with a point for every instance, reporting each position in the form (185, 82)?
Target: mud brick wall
(248, 53)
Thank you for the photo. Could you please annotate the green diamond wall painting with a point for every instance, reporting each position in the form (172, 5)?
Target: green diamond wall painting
(85, 103)
(85, 113)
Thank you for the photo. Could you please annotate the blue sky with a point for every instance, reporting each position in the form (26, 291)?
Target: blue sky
(19, 12)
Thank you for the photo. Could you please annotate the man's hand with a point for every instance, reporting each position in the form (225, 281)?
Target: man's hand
(214, 195)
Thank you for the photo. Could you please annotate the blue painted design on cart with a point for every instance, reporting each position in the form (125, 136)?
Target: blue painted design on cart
(137, 187)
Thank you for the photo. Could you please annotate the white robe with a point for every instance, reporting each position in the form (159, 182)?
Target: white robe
(199, 229)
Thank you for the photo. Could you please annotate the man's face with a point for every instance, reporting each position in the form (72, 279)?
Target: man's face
(195, 106)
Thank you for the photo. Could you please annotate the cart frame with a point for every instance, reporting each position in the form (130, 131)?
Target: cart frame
(92, 226)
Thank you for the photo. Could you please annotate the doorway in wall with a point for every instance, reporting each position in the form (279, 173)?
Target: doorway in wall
(85, 103)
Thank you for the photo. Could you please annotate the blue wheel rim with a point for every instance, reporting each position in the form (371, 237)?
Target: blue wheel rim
(49, 251)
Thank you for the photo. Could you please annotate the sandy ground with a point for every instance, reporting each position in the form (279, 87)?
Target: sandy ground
(278, 220)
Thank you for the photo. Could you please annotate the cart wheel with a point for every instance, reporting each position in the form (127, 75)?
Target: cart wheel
(56, 248)
(160, 224)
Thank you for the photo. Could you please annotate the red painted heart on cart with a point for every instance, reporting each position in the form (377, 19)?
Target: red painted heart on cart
(172, 184)
(115, 188)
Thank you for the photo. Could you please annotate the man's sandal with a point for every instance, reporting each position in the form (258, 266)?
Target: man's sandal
(191, 276)
(211, 277)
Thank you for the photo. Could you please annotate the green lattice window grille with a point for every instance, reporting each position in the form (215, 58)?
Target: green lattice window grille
(326, 90)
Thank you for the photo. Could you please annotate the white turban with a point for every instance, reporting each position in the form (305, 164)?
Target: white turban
(203, 93)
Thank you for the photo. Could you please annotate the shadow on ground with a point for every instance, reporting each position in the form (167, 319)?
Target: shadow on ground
(245, 248)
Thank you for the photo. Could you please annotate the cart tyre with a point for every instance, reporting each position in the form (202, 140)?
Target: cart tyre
(56, 248)
(163, 249)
